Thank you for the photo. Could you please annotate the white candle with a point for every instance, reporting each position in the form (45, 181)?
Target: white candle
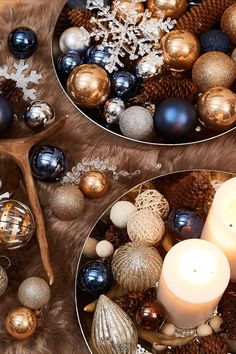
(194, 275)
(220, 225)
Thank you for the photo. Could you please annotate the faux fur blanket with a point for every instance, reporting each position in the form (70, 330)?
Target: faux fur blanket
(58, 331)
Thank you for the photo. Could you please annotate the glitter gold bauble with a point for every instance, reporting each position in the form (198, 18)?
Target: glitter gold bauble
(21, 323)
(180, 50)
(125, 7)
(228, 22)
(217, 108)
(66, 202)
(16, 224)
(94, 184)
(34, 293)
(88, 85)
(213, 69)
(169, 8)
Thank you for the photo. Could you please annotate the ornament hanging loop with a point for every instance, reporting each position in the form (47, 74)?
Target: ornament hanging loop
(5, 262)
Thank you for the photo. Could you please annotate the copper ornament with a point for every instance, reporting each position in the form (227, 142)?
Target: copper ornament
(217, 108)
(21, 323)
(170, 8)
(94, 184)
(213, 69)
(125, 7)
(180, 50)
(228, 23)
(88, 85)
(149, 316)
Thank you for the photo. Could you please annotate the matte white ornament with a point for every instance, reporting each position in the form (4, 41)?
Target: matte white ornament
(168, 329)
(121, 212)
(204, 330)
(153, 200)
(74, 39)
(104, 249)
(215, 323)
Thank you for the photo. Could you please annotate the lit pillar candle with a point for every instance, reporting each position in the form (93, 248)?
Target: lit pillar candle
(220, 225)
(194, 275)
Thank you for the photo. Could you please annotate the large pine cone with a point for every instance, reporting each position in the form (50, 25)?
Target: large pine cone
(116, 236)
(10, 91)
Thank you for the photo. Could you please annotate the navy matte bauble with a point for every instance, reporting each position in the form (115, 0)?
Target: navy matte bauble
(98, 56)
(22, 42)
(174, 119)
(95, 278)
(48, 163)
(6, 115)
(215, 40)
(67, 62)
(122, 83)
(184, 224)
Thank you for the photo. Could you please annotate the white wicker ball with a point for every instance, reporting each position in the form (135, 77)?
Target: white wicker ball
(104, 249)
(153, 200)
(121, 212)
(145, 228)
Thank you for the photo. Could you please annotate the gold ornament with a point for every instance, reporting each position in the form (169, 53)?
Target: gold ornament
(169, 8)
(180, 50)
(88, 85)
(94, 184)
(217, 108)
(16, 224)
(153, 200)
(228, 22)
(66, 202)
(34, 293)
(21, 323)
(125, 7)
(3, 281)
(213, 69)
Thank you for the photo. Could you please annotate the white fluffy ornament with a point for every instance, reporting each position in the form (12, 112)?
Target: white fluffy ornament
(153, 200)
(104, 249)
(121, 212)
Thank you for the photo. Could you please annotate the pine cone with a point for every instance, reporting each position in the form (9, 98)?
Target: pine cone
(227, 309)
(131, 302)
(63, 22)
(10, 91)
(81, 17)
(191, 191)
(205, 345)
(157, 89)
(116, 236)
(204, 16)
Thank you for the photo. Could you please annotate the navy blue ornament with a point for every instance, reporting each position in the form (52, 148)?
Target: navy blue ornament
(98, 56)
(175, 118)
(215, 40)
(48, 163)
(6, 115)
(22, 42)
(122, 83)
(95, 278)
(184, 224)
(67, 62)
(83, 3)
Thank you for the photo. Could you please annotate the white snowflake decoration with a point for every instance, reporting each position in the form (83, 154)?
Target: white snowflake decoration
(134, 34)
(22, 81)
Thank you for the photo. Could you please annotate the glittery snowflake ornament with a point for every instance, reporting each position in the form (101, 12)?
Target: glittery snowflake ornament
(135, 34)
(21, 79)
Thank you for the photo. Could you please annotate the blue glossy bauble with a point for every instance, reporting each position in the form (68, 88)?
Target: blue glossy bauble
(95, 278)
(22, 42)
(83, 3)
(174, 119)
(98, 56)
(215, 40)
(48, 163)
(67, 62)
(184, 224)
(122, 83)
(6, 115)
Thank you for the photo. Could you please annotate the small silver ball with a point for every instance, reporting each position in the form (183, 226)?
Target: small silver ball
(34, 293)
(39, 115)
(74, 39)
(113, 109)
(136, 123)
(146, 67)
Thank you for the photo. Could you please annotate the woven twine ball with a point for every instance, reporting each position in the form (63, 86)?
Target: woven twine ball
(145, 227)
(153, 200)
(136, 268)
(3, 281)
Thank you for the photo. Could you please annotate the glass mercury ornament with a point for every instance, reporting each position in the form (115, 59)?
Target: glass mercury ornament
(39, 115)
(148, 66)
(113, 109)
(113, 332)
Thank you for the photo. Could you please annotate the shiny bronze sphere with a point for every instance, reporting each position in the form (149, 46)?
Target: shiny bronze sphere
(94, 184)
(170, 8)
(149, 316)
(21, 323)
(125, 7)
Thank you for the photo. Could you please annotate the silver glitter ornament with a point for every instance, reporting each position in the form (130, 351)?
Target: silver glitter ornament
(136, 123)
(74, 39)
(39, 115)
(34, 293)
(148, 66)
(3, 281)
(113, 109)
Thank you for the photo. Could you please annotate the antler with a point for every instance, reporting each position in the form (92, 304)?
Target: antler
(18, 150)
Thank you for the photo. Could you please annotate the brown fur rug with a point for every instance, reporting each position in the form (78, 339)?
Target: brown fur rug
(58, 331)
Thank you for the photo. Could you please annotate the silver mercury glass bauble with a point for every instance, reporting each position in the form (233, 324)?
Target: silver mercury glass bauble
(74, 39)
(39, 115)
(147, 67)
(3, 281)
(113, 109)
